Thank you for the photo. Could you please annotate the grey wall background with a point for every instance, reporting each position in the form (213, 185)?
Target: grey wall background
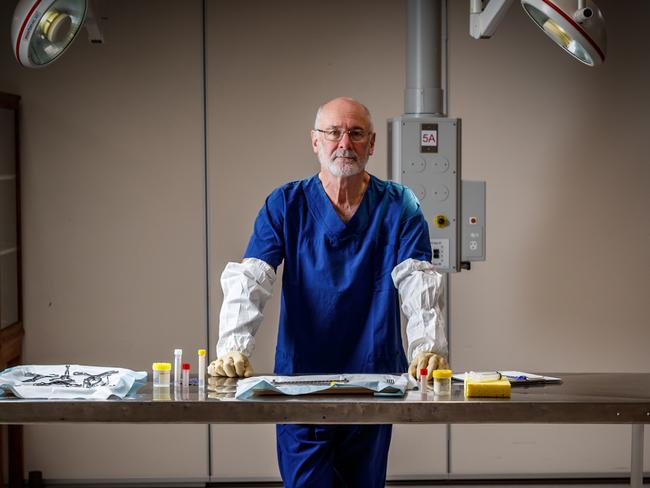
(114, 211)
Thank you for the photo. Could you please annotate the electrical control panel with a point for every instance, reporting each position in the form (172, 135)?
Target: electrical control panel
(473, 221)
(424, 155)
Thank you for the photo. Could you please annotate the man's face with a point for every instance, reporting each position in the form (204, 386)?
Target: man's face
(345, 157)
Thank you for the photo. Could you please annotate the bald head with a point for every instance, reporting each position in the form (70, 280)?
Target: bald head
(343, 106)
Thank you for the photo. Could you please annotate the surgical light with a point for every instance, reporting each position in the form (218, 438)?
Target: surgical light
(577, 27)
(43, 29)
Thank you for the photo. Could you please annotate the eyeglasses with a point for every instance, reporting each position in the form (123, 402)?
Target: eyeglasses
(335, 134)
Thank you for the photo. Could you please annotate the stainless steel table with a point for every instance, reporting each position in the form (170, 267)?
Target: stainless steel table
(591, 398)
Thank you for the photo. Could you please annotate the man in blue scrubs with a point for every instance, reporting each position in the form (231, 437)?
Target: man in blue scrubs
(351, 245)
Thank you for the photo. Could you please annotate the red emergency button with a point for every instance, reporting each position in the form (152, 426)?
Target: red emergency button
(473, 220)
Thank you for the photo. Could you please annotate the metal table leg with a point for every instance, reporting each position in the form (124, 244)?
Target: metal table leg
(636, 466)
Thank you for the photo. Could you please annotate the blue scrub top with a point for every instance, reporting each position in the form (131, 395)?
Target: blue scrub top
(340, 308)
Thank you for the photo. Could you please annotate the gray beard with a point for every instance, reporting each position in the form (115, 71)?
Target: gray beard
(351, 168)
(346, 169)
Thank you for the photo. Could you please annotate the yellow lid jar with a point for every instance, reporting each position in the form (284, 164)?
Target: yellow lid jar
(161, 374)
(441, 382)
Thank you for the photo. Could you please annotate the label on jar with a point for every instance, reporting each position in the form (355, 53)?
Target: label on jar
(442, 386)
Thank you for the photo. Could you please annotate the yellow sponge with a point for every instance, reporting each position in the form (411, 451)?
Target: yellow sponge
(494, 389)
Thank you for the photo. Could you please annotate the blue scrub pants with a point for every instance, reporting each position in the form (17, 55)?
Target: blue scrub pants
(333, 455)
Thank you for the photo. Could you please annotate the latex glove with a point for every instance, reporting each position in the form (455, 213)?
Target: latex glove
(233, 364)
(429, 360)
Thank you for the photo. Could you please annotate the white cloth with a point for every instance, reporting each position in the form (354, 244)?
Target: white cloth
(421, 290)
(247, 286)
(59, 381)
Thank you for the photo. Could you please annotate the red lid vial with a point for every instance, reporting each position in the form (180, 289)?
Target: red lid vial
(185, 377)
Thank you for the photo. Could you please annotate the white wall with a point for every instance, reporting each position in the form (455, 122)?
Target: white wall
(113, 227)
(564, 288)
(113, 209)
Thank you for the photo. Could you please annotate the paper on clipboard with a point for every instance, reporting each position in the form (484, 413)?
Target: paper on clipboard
(518, 378)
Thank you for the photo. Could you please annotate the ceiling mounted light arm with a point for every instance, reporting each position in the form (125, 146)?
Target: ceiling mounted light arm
(91, 23)
(583, 13)
(484, 20)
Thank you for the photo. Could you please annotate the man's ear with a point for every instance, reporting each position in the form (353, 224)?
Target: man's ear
(314, 141)
(372, 144)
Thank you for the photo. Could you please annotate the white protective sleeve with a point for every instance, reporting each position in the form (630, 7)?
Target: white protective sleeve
(421, 291)
(247, 286)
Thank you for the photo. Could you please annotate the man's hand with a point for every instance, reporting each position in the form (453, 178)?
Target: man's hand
(234, 364)
(429, 360)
